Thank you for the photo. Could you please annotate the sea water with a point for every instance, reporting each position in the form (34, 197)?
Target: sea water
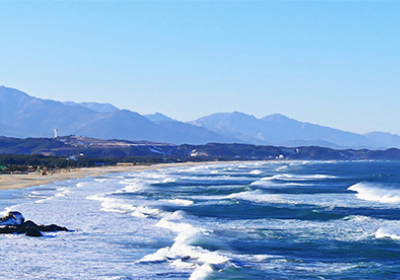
(247, 220)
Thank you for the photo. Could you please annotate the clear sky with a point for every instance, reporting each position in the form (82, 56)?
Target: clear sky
(333, 63)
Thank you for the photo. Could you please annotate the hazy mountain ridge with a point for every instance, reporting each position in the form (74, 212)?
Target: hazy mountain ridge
(98, 107)
(158, 117)
(280, 130)
(24, 116)
(384, 138)
(38, 117)
(188, 131)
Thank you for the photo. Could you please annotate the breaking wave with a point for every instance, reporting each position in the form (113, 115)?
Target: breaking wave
(388, 232)
(181, 253)
(294, 177)
(376, 193)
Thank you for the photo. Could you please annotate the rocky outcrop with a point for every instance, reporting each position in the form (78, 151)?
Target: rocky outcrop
(12, 218)
(14, 222)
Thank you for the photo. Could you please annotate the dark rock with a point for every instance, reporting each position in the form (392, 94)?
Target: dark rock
(8, 229)
(14, 222)
(29, 224)
(12, 218)
(23, 228)
(33, 232)
(185, 258)
(52, 227)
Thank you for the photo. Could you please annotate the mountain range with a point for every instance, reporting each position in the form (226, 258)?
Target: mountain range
(24, 116)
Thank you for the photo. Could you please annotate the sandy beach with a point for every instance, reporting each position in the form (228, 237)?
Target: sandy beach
(19, 181)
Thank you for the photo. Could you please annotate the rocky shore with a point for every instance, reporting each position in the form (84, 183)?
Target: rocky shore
(14, 222)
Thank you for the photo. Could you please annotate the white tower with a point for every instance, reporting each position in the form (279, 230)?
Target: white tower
(55, 133)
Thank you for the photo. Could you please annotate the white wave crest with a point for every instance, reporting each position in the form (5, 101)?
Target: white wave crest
(132, 188)
(178, 201)
(201, 272)
(259, 197)
(388, 232)
(376, 193)
(81, 184)
(282, 168)
(256, 172)
(294, 177)
(265, 184)
(271, 184)
(323, 199)
(118, 206)
(200, 259)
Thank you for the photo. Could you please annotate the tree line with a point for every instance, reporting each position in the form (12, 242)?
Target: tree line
(11, 163)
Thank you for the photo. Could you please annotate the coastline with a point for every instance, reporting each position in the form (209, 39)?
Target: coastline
(20, 181)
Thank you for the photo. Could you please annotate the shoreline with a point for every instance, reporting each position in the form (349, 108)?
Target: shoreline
(20, 181)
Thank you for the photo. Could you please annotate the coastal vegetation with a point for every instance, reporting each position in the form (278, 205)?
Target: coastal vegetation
(33, 154)
(37, 162)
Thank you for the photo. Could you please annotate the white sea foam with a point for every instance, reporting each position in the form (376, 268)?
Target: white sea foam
(164, 180)
(259, 197)
(349, 229)
(84, 184)
(179, 263)
(360, 219)
(271, 184)
(388, 232)
(178, 201)
(200, 259)
(92, 229)
(294, 177)
(102, 180)
(119, 206)
(256, 172)
(133, 188)
(145, 179)
(265, 184)
(63, 191)
(304, 162)
(184, 230)
(207, 179)
(201, 272)
(197, 169)
(376, 193)
(35, 194)
(321, 200)
(282, 168)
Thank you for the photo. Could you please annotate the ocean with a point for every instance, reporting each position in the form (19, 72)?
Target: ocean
(245, 220)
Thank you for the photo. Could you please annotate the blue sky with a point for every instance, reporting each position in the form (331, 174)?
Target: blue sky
(333, 63)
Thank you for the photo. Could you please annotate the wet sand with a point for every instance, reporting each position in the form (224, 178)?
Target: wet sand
(19, 181)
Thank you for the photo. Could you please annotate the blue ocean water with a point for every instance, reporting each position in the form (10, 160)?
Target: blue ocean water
(247, 220)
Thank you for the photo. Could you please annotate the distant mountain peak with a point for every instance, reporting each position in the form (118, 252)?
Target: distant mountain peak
(158, 117)
(95, 106)
(233, 116)
(277, 129)
(380, 133)
(12, 91)
(275, 117)
(24, 116)
(384, 138)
